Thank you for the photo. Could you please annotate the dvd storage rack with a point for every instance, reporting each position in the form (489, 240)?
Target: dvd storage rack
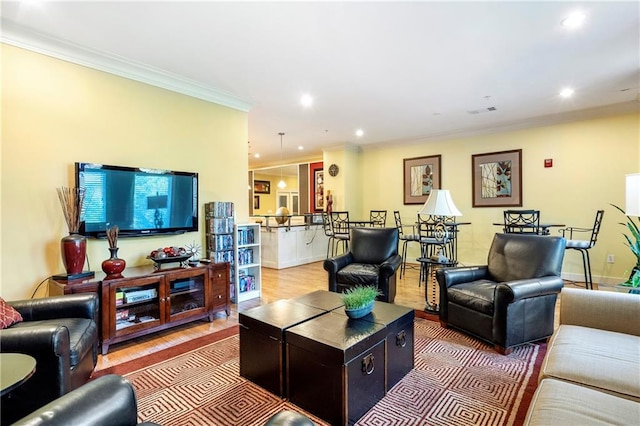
(248, 263)
(220, 237)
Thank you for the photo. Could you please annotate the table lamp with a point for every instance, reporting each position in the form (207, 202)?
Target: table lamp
(440, 204)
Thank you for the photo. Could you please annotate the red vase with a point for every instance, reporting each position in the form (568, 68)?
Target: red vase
(74, 250)
(113, 266)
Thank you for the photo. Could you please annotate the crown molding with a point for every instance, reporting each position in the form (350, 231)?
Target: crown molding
(19, 36)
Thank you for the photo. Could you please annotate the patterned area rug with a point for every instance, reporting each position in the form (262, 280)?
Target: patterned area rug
(457, 380)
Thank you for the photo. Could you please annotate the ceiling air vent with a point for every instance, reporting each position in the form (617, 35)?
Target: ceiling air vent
(482, 110)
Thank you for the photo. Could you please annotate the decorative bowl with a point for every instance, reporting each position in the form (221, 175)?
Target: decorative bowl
(359, 312)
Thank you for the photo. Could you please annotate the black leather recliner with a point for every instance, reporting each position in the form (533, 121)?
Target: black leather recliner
(107, 401)
(61, 333)
(512, 299)
(372, 260)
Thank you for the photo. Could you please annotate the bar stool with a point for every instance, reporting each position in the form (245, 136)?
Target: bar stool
(405, 238)
(583, 246)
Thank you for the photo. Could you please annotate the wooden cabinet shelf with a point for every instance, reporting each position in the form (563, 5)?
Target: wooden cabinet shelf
(144, 302)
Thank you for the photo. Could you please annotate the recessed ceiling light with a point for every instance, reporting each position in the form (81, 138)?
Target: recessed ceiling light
(574, 20)
(256, 155)
(306, 100)
(359, 133)
(567, 92)
(300, 148)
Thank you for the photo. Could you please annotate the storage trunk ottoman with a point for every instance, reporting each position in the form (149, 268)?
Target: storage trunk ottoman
(262, 340)
(399, 323)
(321, 299)
(336, 366)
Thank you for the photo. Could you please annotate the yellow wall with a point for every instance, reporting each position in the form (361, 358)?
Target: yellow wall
(590, 160)
(55, 113)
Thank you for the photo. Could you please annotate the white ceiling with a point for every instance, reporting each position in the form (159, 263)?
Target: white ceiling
(401, 71)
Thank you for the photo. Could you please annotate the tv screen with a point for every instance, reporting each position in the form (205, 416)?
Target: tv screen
(139, 201)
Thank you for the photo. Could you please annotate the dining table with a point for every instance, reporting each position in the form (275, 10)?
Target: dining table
(544, 228)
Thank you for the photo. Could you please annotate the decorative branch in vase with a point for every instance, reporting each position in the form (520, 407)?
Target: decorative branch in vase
(113, 266)
(112, 236)
(73, 247)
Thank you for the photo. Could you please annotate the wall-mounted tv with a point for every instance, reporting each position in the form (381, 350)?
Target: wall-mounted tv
(139, 201)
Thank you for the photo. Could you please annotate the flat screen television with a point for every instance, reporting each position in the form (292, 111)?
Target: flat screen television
(139, 201)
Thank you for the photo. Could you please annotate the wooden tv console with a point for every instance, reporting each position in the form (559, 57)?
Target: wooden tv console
(145, 301)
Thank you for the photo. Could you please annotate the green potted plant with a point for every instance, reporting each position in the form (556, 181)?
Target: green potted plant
(359, 300)
(633, 242)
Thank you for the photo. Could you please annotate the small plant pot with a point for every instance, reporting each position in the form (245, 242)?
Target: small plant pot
(359, 312)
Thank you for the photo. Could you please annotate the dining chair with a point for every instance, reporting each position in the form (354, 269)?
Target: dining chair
(436, 241)
(522, 221)
(583, 246)
(326, 227)
(378, 218)
(340, 229)
(406, 238)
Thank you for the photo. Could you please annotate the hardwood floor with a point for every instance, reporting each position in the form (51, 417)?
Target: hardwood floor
(276, 284)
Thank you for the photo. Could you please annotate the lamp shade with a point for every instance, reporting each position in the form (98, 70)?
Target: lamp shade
(632, 202)
(440, 203)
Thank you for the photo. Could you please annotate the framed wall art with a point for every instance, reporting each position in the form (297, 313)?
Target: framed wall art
(256, 202)
(318, 189)
(497, 179)
(262, 187)
(421, 175)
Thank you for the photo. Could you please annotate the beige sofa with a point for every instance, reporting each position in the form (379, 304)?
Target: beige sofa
(591, 371)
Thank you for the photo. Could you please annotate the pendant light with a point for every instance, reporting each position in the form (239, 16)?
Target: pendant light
(282, 184)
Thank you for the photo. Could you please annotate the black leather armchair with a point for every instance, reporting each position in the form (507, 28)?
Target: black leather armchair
(511, 300)
(107, 401)
(373, 259)
(61, 333)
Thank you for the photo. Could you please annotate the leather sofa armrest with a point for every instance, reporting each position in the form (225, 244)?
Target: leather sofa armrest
(81, 305)
(41, 341)
(334, 264)
(390, 265)
(109, 399)
(452, 276)
(512, 291)
(604, 310)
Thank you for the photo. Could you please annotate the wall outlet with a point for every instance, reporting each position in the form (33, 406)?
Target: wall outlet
(611, 258)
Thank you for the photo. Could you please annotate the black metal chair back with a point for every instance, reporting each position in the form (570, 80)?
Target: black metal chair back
(522, 221)
(435, 236)
(378, 218)
(398, 219)
(340, 228)
(326, 227)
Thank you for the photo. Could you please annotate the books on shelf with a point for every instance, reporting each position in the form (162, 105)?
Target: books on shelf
(245, 256)
(220, 242)
(222, 256)
(219, 225)
(218, 209)
(245, 236)
(247, 283)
